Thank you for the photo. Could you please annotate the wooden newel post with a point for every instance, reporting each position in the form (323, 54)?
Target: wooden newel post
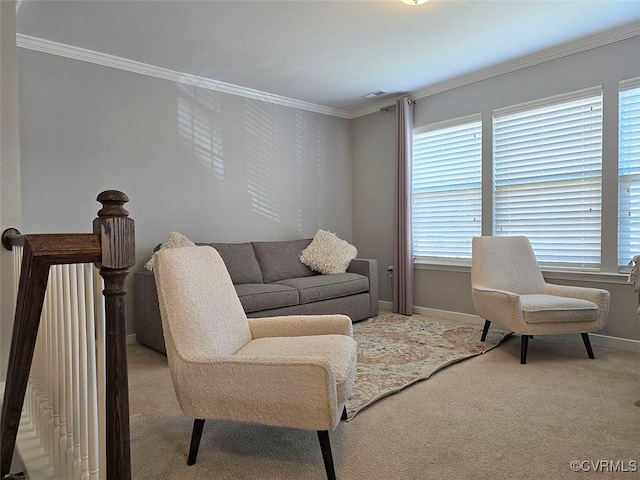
(117, 234)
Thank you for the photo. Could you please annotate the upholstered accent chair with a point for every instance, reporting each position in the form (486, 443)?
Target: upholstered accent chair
(508, 288)
(294, 371)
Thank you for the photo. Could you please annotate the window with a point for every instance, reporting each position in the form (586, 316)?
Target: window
(547, 177)
(447, 189)
(628, 171)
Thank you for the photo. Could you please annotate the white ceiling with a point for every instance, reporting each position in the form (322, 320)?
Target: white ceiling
(325, 52)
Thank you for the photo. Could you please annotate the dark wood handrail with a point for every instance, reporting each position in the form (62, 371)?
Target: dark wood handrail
(111, 247)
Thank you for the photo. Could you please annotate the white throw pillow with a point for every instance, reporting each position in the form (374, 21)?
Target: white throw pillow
(174, 240)
(328, 254)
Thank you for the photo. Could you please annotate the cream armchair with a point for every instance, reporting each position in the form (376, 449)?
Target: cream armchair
(508, 288)
(294, 371)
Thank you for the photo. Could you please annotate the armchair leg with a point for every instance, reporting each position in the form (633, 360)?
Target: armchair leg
(198, 424)
(325, 446)
(587, 344)
(485, 330)
(523, 348)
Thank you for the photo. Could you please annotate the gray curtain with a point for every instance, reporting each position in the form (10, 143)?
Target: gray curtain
(402, 233)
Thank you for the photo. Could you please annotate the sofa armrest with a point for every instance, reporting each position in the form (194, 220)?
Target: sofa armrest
(148, 322)
(369, 268)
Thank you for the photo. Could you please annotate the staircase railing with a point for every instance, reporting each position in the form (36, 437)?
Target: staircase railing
(111, 247)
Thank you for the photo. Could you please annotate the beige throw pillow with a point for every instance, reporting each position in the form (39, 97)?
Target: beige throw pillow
(174, 240)
(328, 254)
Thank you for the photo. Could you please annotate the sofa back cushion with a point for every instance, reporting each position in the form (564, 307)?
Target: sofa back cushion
(280, 260)
(241, 262)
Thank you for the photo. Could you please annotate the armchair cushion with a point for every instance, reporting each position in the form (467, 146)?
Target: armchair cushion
(209, 321)
(298, 325)
(551, 308)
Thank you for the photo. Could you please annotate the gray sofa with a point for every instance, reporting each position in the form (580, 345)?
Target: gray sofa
(270, 280)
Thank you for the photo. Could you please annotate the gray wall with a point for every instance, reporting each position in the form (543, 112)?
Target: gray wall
(373, 152)
(9, 169)
(213, 166)
(448, 288)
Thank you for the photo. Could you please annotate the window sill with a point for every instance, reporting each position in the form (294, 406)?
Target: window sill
(593, 277)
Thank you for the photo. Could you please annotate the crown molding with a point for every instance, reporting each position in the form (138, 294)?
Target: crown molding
(112, 61)
(595, 41)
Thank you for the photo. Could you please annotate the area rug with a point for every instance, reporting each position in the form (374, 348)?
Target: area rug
(395, 351)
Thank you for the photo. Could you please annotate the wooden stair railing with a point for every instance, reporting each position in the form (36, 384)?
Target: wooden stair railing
(111, 247)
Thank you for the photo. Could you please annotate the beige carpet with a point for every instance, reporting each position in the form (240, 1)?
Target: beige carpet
(486, 418)
(396, 351)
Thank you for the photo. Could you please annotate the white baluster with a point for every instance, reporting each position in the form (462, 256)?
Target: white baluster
(83, 373)
(101, 371)
(55, 364)
(67, 407)
(74, 442)
(94, 294)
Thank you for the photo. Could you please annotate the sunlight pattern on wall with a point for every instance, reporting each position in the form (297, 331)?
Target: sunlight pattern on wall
(262, 159)
(199, 130)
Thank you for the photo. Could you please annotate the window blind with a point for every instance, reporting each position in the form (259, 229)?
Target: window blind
(447, 189)
(628, 171)
(547, 177)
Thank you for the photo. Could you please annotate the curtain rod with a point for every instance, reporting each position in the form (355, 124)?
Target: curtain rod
(391, 107)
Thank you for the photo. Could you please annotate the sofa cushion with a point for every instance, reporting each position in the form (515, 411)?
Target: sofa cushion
(328, 254)
(262, 296)
(280, 260)
(240, 260)
(325, 287)
(173, 240)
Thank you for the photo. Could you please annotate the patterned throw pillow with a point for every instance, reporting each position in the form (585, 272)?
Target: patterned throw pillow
(174, 240)
(328, 254)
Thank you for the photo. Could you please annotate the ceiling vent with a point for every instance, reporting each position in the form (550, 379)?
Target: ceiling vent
(375, 94)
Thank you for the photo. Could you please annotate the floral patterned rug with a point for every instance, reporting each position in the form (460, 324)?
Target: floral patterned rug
(395, 351)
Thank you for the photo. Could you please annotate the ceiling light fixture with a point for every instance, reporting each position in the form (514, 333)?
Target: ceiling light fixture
(414, 2)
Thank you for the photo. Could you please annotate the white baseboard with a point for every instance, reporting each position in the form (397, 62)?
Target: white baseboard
(385, 306)
(468, 319)
(614, 342)
(457, 317)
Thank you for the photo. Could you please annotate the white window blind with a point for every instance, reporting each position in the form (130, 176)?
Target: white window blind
(547, 177)
(447, 189)
(628, 171)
